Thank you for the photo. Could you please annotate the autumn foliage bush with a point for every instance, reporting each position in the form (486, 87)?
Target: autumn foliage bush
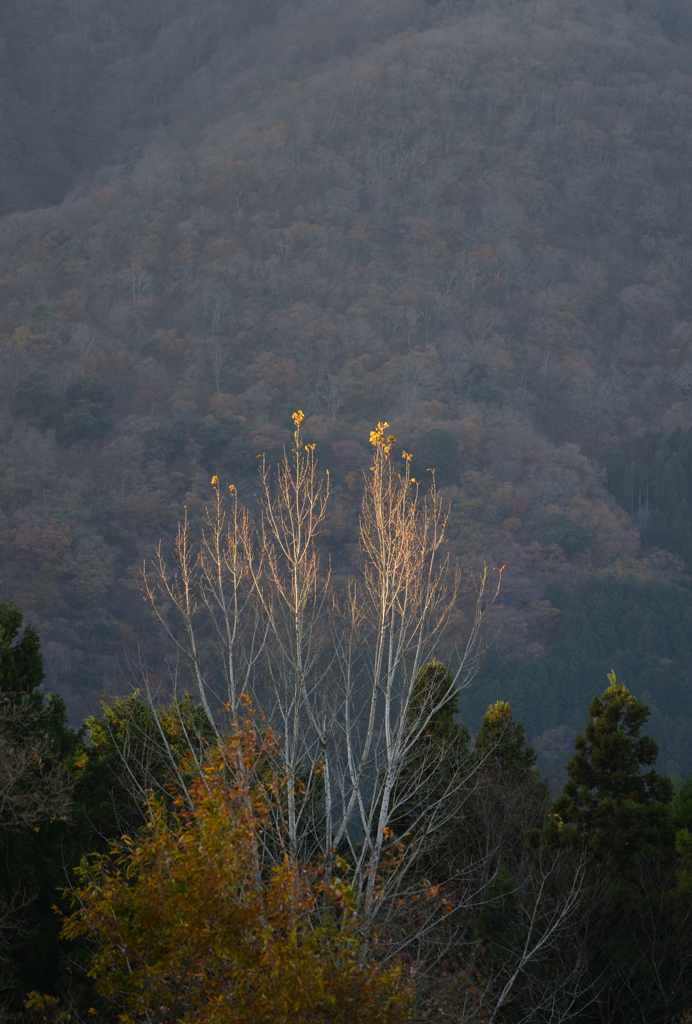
(190, 925)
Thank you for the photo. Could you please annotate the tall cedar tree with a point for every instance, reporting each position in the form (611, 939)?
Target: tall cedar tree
(501, 743)
(638, 942)
(607, 797)
(36, 750)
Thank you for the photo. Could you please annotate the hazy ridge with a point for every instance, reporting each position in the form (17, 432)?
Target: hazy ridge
(473, 220)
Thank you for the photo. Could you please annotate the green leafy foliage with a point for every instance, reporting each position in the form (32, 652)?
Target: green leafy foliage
(501, 743)
(35, 402)
(84, 412)
(88, 412)
(654, 486)
(616, 806)
(607, 797)
(21, 662)
(438, 450)
(480, 386)
(620, 480)
(638, 629)
(219, 442)
(435, 697)
(190, 860)
(37, 751)
(439, 741)
(132, 751)
(559, 528)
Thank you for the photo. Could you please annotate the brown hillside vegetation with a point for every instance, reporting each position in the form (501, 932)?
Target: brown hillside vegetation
(472, 220)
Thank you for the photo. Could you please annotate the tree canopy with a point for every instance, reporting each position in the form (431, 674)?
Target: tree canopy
(608, 798)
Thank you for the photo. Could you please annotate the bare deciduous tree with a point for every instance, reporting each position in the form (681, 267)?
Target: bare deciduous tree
(87, 340)
(681, 379)
(417, 380)
(252, 618)
(217, 354)
(331, 668)
(138, 280)
(14, 356)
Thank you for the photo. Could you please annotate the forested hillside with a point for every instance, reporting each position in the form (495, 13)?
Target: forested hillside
(302, 831)
(473, 220)
(82, 83)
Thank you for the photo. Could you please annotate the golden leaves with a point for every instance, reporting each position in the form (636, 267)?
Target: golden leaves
(377, 434)
(378, 439)
(298, 418)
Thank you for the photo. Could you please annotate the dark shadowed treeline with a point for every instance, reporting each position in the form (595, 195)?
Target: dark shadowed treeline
(151, 876)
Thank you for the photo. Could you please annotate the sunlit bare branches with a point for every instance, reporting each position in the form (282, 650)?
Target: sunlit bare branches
(251, 611)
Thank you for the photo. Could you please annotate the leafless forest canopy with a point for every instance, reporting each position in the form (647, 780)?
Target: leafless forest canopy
(470, 219)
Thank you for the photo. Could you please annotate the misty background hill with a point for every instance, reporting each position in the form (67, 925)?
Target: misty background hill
(471, 219)
(84, 83)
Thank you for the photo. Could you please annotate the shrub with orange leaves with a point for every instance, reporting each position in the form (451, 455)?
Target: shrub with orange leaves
(190, 925)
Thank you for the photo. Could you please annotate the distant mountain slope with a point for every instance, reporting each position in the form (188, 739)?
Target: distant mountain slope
(509, 188)
(81, 82)
(472, 219)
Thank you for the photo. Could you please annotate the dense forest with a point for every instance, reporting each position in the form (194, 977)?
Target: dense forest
(467, 223)
(329, 845)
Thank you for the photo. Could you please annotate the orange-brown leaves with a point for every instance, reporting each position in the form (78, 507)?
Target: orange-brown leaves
(191, 925)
